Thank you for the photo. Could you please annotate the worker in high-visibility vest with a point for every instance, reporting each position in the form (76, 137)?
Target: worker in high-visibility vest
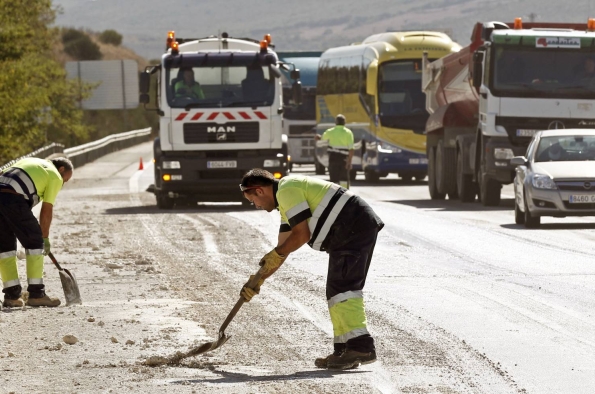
(22, 186)
(340, 151)
(328, 218)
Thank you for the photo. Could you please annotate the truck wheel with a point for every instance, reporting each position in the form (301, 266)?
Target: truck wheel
(371, 176)
(531, 221)
(489, 191)
(446, 182)
(466, 188)
(319, 168)
(434, 193)
(164, 202)
(352, 175)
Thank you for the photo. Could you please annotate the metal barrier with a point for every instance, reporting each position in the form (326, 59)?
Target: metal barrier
(86, 153)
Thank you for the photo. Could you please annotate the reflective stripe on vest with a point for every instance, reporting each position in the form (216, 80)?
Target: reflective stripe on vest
(339, 150)
(20, 181)
(331, 210)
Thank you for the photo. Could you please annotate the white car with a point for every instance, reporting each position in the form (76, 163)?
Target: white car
(557, 176)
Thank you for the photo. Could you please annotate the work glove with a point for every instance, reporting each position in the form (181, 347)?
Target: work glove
(247, 292)
(271, 262)
(46, 246)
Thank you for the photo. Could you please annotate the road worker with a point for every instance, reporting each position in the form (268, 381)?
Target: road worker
(340, 151)
(328, 218)
(22, 186)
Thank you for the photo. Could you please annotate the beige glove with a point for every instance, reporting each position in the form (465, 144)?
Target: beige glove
(247, 292)
(271, 263)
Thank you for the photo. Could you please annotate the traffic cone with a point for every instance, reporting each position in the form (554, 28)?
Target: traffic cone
(140, 165)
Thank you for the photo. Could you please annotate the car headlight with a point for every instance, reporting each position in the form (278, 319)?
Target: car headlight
(543, 182)
(171, 165)
(503, 154)
(272, 163)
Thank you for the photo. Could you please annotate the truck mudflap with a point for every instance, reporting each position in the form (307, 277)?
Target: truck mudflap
(499, 151)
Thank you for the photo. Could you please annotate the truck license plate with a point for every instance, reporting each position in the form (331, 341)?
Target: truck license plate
(582, 198)
(222, 164)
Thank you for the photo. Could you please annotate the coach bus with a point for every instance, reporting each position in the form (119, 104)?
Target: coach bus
(377, 86)
(299, 121)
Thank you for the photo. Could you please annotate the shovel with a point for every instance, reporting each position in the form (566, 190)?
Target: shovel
(71, 288)
(209, 346)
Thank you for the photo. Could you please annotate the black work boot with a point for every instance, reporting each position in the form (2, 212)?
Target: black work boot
(37, 297)
(350, 359)
(322, 362)
(12, 297)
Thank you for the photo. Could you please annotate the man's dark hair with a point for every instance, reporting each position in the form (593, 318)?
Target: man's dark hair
(340, 120)
(62, 162)
(258, 177)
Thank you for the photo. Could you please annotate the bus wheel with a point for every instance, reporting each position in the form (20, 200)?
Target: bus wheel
(371, 176)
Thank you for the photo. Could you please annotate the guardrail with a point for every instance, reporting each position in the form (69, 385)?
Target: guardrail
(86, 153)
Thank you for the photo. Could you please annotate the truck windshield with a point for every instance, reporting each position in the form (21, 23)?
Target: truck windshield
(525, 71)
(402, 104)
(215, 87)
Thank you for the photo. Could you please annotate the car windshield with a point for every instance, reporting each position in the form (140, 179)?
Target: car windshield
(566, 148)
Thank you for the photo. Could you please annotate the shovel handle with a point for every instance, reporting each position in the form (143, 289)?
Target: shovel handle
(240, 302)
(51, 256)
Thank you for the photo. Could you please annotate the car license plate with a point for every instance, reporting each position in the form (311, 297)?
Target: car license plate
(582, 198)
(222, 164)
(525, 132)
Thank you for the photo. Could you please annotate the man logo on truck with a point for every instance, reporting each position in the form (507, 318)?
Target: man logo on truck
(221, 129)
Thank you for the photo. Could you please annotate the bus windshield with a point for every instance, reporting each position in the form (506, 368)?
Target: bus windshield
(525, 71)
(400, 99)
(209, 87)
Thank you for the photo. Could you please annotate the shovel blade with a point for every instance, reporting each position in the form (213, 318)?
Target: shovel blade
(208, 347)
(70, 287)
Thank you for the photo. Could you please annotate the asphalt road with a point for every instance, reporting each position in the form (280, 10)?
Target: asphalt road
(459, 298)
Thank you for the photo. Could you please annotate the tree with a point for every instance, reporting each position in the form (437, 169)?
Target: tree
(111, 37)
(37, 102)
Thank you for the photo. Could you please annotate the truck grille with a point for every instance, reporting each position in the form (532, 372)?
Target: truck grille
(232, 132)
(512, 124)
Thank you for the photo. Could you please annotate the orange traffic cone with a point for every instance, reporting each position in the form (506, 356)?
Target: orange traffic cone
(140, 165)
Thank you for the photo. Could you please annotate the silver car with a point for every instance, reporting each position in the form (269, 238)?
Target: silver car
(557, 178)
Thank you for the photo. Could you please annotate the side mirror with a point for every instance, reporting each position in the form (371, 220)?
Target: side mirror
(295, 74)
(477, 69)
(275, 70)
(144, 98)
(144, 83)
(518, 161)
(296, 92)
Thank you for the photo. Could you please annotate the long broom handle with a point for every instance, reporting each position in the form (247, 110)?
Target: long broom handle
(252, 284)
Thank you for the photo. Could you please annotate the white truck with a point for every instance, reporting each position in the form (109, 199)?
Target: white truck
(220, 105)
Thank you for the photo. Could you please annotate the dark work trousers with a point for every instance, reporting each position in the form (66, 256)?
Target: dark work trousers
(336, 169)
(17, 221)
(347, 271)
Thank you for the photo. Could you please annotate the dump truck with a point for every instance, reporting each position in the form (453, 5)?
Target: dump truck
(488, 99)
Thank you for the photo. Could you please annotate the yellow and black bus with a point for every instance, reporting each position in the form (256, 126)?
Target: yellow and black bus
(377, 86)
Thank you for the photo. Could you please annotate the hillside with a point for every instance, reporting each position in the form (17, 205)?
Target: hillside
(305, 24)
